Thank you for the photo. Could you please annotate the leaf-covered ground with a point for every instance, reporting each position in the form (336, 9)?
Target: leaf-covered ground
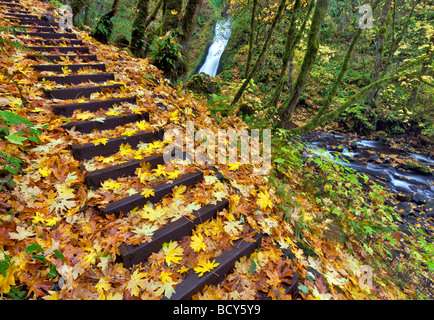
(55, 244)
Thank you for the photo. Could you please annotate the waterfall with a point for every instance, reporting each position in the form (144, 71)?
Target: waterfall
(215, 51)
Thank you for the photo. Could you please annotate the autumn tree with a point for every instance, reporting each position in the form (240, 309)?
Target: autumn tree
(104, 27)
(138, 33)
(264, 47)
(290, 103)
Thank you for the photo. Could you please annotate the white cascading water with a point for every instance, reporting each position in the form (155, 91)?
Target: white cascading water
(215, 51)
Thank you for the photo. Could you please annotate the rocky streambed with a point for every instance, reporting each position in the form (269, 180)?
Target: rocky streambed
(408, 176)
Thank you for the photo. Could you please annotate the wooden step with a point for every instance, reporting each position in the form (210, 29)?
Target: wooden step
(173, 231)
(80, 78)
(107, 124)
(41, 28)
(81, 50)
(127, 204)
(67, 110)
(193, 284)
(35, 22)
(80, 92)
(73, 67)
(57, 57)
(95, 178)
(54, 42)
(13, 5)
(46, 35)
(89, 150)
(21, 15)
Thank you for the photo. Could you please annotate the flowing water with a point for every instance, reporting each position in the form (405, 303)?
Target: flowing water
(384, 165)
(215, 51)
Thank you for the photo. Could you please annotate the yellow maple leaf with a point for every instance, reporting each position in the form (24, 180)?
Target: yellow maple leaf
(84, 116)
(173, 175)
(45, 172)
(37, 218)
(142, 125)
(205, 265)
(160, 171)
(172, 252)
(174, 116)
(102, 285)
(129, 132)
(100, 141)
(66, 71)
(9, 280)
(125, 150)
(178, 191)
(234, 166)
(112, 113)
(111, 184)
(22, 233)
(136, 283)
(197, 243)
(263, 200)
(165, 277)
(146, 192)
(166, 288)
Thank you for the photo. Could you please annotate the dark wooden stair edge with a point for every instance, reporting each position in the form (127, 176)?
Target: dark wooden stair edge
(89, 150)
(193, 284)
(68, 109)
(73, 67)
(106, 124)
(79, 78)
(55, 57)
(76, 93)
(127, 204)
(94, 178)
(173, 231)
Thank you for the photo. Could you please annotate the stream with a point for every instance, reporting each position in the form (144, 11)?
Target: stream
(222, 33)
(412, 185)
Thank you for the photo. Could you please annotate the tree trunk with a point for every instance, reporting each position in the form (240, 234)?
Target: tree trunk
(332, 115)
(314, 122)
(251, 41)
(379, 52)
(395, 44)
(188, 24)
(259, 58)
(290, 103)
(288, 56)
(104, 27)
(170, 21)
(138, 33)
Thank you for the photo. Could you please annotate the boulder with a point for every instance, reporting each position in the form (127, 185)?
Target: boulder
(203, 84)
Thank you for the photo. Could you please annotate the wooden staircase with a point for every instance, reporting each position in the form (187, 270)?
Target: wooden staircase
(45, 40)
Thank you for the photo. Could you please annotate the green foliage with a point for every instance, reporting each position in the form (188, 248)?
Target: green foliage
(9, 120)
(56, 3)
(37, 256)
(165, 53)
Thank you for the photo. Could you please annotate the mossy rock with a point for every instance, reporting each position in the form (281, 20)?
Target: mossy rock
(203, 84)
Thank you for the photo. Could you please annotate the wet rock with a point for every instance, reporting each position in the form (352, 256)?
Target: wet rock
(373, 158)
(405, 209)
(203, 83)
(353, 144)
(419, 198)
